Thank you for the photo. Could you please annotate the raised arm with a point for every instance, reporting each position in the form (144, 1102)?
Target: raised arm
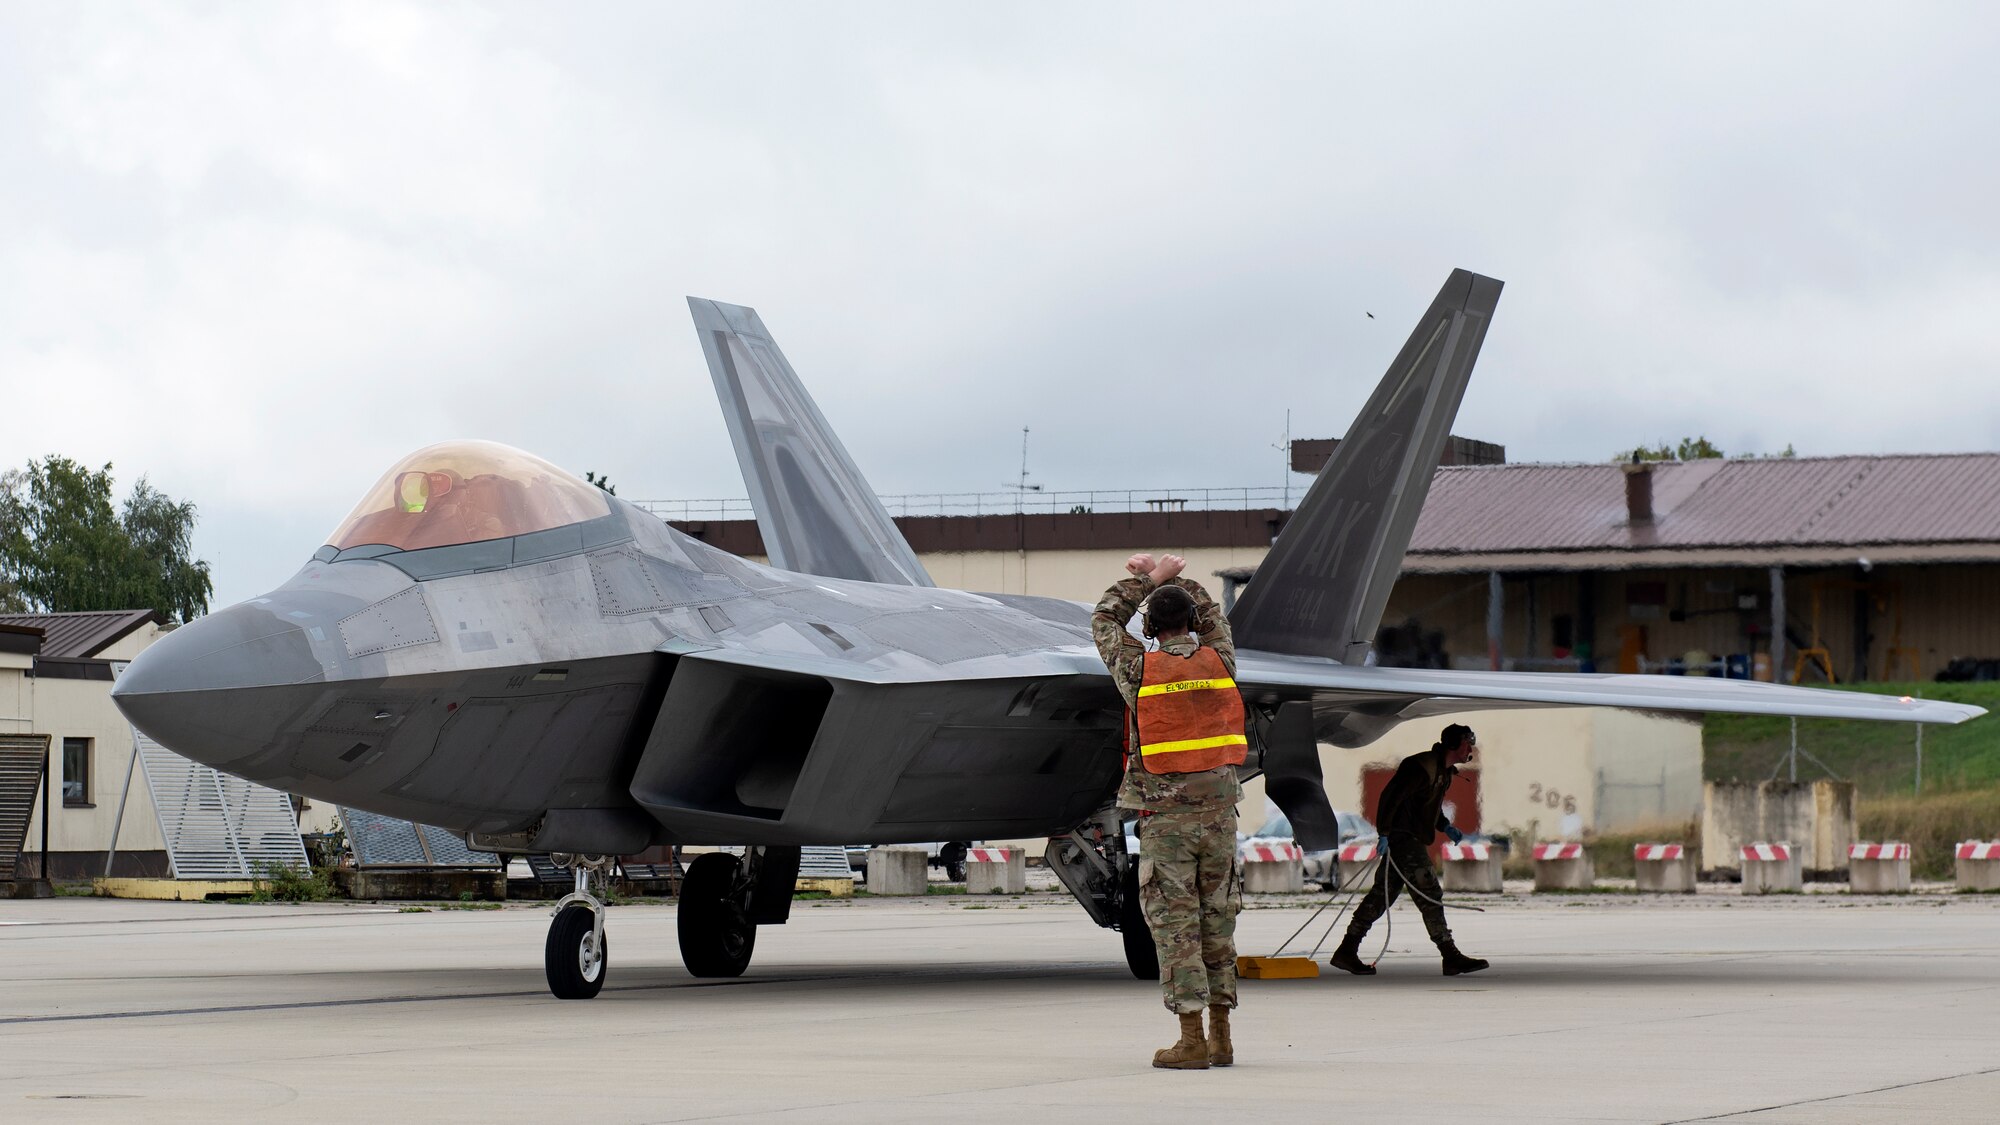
(1122, 653)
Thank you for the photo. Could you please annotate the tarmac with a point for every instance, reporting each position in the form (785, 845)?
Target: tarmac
(1599, 1007)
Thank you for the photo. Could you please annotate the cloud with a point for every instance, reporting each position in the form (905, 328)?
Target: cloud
(260, 252)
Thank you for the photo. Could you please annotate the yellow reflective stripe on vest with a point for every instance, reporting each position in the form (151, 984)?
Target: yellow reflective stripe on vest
(1194, 744)
(1185, 685)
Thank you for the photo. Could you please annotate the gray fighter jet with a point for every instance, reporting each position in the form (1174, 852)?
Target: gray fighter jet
(489, 644)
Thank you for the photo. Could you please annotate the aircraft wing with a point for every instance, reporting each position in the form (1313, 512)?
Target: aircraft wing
(815, 511)
(1354, 705)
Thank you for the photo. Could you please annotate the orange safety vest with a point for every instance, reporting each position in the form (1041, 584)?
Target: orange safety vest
(1190, 714)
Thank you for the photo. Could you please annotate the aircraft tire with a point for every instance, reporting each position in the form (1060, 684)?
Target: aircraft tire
(953, 857)
(717, 935)
(574, 974)
(1140, 955)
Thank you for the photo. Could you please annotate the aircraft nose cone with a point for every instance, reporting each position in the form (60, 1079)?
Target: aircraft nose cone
(188, 689)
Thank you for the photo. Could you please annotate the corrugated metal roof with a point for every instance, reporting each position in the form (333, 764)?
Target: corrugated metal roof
(1904, 499)
(81, 634)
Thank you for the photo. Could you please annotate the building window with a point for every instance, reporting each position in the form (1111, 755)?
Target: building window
(76, 771)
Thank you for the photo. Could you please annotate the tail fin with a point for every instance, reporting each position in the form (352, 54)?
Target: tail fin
(1321, 590)
(816, 513)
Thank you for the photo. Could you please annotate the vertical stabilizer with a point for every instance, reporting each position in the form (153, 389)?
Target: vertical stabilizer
(1321, 590)
(816, 513)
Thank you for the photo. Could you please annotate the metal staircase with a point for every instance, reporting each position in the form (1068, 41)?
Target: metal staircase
(23, 759)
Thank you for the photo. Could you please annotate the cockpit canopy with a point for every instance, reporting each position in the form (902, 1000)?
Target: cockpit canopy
(466, 492)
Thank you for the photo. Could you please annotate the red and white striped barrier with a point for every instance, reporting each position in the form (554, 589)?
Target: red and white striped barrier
(1770, 867)
(1358, 853)
(1978, 865)
(1273, 867)
(1563, 867)
(1272, 853)
(996, 871)
(1471, 869)
(1878, 869)
(1663, 869)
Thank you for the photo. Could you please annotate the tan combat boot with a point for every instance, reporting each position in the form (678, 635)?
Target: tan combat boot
(1190, 1053)
(1220, 1051)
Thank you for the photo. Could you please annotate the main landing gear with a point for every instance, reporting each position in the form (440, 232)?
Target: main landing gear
(724, 899)
(1093, 863)
(577, 956)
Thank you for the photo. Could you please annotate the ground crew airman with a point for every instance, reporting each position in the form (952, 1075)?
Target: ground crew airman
(1409, 814)
(1184, 738)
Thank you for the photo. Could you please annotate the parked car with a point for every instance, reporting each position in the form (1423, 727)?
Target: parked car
(1321, 867)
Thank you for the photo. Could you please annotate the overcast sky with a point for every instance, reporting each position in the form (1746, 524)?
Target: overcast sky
(258, 252)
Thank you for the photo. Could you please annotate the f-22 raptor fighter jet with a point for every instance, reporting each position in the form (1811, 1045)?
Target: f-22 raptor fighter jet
(491, 645)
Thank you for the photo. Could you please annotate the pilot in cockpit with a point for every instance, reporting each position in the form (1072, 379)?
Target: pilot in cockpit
(467, 492)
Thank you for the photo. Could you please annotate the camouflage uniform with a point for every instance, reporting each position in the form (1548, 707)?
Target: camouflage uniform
(1409, 814)
(1190, 887)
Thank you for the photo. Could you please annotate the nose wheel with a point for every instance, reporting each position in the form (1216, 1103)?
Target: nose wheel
(577, 954)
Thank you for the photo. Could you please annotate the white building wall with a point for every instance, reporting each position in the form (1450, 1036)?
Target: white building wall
(83, 709)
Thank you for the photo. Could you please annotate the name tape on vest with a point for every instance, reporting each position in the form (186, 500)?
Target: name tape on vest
(1185, 685)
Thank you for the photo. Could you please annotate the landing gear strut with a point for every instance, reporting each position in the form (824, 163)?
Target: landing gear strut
(1093, 863)
(577, 956)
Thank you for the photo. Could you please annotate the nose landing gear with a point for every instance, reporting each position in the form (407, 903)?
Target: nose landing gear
(577, 956)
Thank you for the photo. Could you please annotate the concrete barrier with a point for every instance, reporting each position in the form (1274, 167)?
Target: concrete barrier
(1819, 815)
(1663, 869)
(996, 871)
(1358, 864)
(898, 871)
(1978, 863)
(1471, 869)
(1563, 867)
(1769, 868)
(1878, 869)
(1274, 869)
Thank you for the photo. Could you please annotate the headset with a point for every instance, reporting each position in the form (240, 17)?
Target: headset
(1193, 610)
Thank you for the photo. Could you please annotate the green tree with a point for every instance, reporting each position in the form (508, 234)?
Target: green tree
(1689, 449)
(1696, 448)
(64, 548)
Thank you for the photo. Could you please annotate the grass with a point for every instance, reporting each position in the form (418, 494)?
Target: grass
(1961, 795)
(1880, 758)
(280, 883)
(1933, 823)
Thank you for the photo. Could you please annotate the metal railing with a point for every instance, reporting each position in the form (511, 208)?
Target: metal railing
(1010, 502)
